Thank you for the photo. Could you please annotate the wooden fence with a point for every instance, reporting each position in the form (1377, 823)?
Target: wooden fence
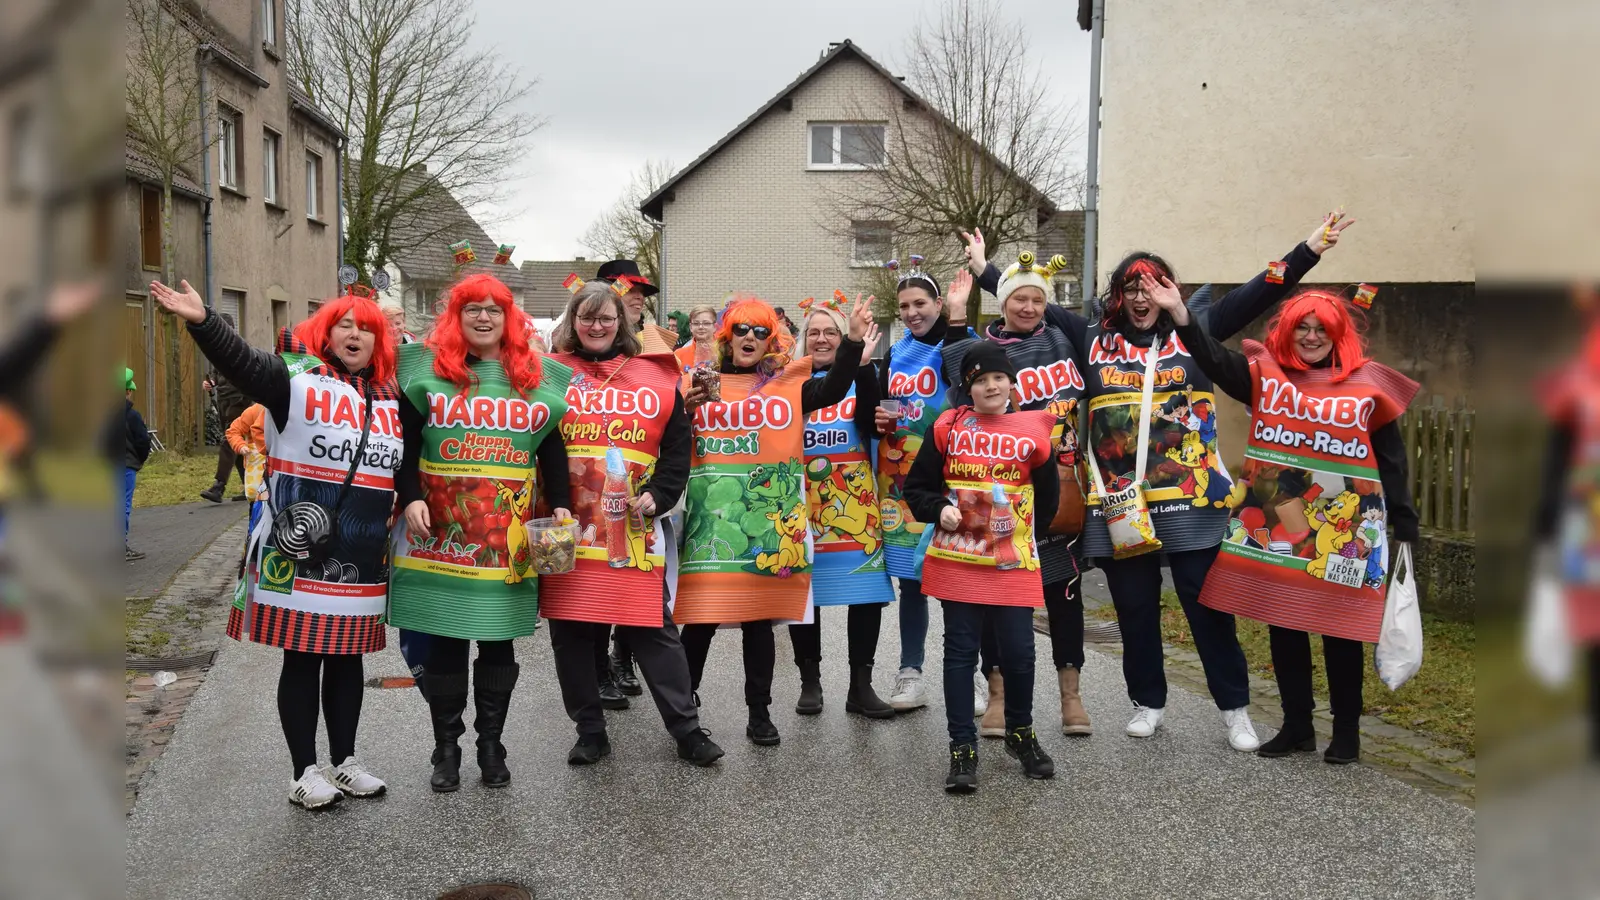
(1439, 446)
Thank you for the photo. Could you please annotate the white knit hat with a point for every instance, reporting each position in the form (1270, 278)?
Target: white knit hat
(1023, 273)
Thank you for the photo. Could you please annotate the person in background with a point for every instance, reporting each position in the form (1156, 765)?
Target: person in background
(247, 437)
(137, 450)
(701, 346)
(230, 403)
(395, 315)
(785, 321)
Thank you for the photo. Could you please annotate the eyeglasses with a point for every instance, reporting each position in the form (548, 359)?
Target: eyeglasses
(761, 332)
(1304, 330)
(602, 321)
(478, 312)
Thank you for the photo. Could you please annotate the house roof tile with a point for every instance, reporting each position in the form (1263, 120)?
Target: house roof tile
(546, 294)
(426, 237)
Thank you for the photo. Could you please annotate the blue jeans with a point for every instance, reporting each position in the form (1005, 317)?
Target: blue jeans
(913, 625)
(964, 624)
(129, 477)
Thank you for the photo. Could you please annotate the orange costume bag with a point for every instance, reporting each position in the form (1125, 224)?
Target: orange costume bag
(746, 556)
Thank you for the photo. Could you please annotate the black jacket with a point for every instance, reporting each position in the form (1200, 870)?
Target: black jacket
(136, 438)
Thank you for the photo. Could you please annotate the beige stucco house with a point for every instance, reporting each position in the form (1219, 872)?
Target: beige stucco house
(1228, 129)
(760, 210)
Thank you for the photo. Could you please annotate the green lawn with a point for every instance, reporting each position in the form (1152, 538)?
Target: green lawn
(1439, 700)
(169, 478)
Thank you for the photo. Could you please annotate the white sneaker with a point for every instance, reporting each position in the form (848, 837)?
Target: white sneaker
(1241, 734)
(313, 791)
(1146, 719)
(980, 694)
(908, 691)
(356, 781)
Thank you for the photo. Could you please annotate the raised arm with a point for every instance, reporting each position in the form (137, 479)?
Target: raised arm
(1240, 306)
(1073, 325)
(258, 374)
(820, 393)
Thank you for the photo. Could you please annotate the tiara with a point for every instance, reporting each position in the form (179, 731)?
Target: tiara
(915, 273)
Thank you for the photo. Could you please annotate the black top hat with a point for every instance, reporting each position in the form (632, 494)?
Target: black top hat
(618, 268)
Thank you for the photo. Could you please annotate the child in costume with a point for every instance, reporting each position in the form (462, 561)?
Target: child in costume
(980, 475)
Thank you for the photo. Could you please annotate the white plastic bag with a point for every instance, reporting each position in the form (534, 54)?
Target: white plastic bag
(1546, 642)
(1399, 653)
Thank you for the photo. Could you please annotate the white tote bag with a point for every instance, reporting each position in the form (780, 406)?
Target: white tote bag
(1399, 653)
(1547, 642)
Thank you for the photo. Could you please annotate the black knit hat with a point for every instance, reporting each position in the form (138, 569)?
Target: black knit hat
(985, 356)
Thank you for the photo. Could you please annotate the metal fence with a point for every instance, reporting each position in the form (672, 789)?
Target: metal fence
(1439, 446)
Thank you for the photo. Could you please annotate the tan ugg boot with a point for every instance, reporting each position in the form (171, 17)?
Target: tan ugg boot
(993, 723)
(1074, 718)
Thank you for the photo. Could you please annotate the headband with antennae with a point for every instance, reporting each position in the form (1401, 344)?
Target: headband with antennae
(915, 275)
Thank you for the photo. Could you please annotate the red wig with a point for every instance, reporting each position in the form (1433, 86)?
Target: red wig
(449, 343)
(754, 312)
(1333, 312)
(313, 332)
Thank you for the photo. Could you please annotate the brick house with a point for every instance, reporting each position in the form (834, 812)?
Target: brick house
(757, 211)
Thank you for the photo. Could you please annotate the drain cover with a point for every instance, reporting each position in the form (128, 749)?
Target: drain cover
(488, 891)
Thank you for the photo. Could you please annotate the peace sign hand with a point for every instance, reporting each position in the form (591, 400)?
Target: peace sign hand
(976, 249)
(1327, 233)
(870, 338)
(185, 303)
(861, 316)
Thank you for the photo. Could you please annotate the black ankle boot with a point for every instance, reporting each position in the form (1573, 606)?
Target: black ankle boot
(963, 777)
(1022, 745)
(862, 699)
(491, 692)
(810, 702)
(1296, 736)
(447, 700)
(611, 696)
(1345, 748)
(622, 671)
(761, 731)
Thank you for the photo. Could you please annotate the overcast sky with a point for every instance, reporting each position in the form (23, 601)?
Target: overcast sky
(625, 82)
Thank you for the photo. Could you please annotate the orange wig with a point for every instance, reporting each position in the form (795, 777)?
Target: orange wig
(1333, 312)
(313, 332)
(449, 343)
(755, 312)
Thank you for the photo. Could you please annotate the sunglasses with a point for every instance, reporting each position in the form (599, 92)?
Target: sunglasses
(761, 332)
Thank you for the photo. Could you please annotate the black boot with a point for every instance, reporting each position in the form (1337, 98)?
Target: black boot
(698, 748)
(1022, 745)
(491, 691)
(761, 731)
(1345, 748)
(963, 777)
(810, 702)
(622, 668)
(611, 696)
(1296, 736)
(213, 493)
(862, 699)
(447, 700)
(589, 749)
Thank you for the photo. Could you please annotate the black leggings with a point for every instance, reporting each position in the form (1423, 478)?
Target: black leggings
(448, 655)
(340, 685)
(862, 624)
(760, 654)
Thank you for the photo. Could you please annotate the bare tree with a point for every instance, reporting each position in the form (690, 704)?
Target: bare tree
(163, 108)
(992, 149)
(623, 232)
(163, 103)
(426, 115)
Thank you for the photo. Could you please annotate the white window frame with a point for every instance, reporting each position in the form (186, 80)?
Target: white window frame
(838, 164)
(271, 166)
(855, 230)
(314, 185)
(228, 121)
(269, 22)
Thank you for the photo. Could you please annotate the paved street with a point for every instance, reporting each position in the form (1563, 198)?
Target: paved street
(170, 536)
(844, 808)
